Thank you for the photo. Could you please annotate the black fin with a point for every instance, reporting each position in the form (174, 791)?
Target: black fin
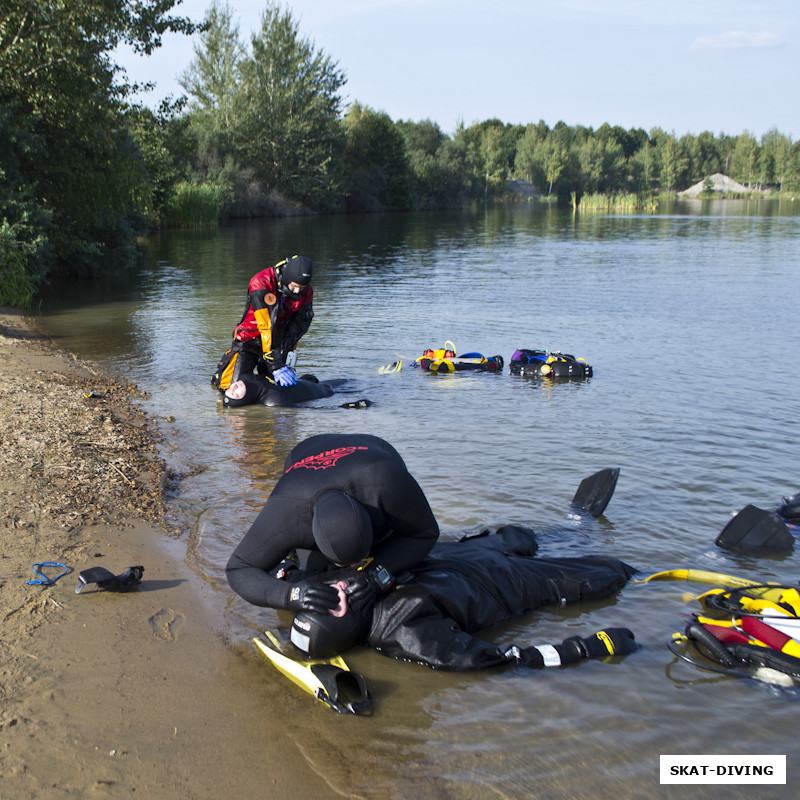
(595, 492)
(756, 531)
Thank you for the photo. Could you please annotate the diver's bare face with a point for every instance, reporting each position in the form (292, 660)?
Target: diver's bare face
(236, 391)
(295, 288)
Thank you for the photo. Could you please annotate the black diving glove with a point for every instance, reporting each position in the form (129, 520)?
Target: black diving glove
(608, 642)
(367, 586)
(361, 592)
(312, 596)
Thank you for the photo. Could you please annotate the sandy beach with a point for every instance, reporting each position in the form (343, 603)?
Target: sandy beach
(110, 694)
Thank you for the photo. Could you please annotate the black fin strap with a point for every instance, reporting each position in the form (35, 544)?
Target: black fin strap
(336, 680)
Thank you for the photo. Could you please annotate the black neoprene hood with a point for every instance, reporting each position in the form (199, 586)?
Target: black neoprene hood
(342, 528)
(297, 269)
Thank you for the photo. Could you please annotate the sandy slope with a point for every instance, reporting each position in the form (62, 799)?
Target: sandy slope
(112, 694)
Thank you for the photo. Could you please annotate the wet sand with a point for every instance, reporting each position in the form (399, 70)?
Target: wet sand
(105, 694)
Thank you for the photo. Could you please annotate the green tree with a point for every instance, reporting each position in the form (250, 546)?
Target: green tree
(212, 81)
(529, 163)
(744, 159)
(776, 150)
(602, 162)
(160, 170)
(428, 181)
(375, 163)
(643, 167)
(488, 155)
(791, 180)
(672, 162)
(70, 158)
(290, 129)
(708, 161)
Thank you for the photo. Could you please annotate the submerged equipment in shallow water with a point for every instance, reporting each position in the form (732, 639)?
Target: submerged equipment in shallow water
(546, 364)
(329, 680)
(747, 628)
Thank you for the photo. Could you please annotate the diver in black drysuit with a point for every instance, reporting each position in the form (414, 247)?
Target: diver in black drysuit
(342, 498)
(466, 586)
(260, 390)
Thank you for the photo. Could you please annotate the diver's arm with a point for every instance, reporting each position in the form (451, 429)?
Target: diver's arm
(414, 528)
(265, 310)
(251, 569)
(262, 589)
(255, 584)
(287, 334)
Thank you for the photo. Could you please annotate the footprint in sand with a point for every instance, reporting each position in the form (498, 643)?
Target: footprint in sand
(167, 624)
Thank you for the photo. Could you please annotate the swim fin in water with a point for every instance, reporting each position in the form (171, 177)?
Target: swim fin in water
(330, 680)
(594, 492)
(762, 533)
(757, 532)
(395, 366)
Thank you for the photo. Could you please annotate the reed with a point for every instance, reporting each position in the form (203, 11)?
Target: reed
(17, 286)
(195, 205)
(621, 201)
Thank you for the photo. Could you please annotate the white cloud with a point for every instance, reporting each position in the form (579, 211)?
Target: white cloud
(737, 40)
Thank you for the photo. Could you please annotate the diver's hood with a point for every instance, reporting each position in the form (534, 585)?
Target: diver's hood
(251, 393)
(341, 527)
(296, 269)
(790, 510)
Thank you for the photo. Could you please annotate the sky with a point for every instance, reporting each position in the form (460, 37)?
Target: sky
(686, 66)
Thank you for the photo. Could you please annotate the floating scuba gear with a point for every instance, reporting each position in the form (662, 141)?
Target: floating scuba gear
(594, 492)
(395, 366)
(545, 364)
(699, 576)
(751, 627)
(108, 580)
(790, 509)
(444, 360)
(329, 680)
(362, 403)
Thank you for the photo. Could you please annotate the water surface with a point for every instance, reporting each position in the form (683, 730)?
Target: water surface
(689, 320)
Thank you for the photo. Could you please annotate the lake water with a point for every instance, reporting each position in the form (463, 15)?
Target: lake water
(689, 319)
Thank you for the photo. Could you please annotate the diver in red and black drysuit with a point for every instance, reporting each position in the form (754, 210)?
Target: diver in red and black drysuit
(279, 311)
(342, 498)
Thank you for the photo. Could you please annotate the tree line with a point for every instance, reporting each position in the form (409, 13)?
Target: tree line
(262, 130)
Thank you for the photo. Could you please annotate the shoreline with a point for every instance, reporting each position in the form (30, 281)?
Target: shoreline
(102, 691)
